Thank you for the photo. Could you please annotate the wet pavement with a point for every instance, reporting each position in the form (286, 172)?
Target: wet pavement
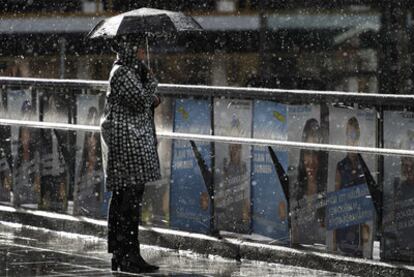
(32, 251)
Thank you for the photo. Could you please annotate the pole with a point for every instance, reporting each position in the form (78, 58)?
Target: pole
(148, 55)
(393, 69)
(62, 44)
(262, 41)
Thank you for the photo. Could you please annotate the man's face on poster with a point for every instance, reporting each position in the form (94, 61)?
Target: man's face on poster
(235, 152)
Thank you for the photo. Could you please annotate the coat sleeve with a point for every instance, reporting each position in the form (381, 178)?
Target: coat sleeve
(131, 92)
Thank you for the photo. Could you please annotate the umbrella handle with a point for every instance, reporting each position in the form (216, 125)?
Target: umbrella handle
(148, 57)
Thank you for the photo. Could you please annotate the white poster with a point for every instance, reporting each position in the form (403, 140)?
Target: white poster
(307, 176)
(25, 150)
(155, 203)
(232, 163)
(55, 166)
(89, 183)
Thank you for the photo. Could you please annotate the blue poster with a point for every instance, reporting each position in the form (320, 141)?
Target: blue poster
(349, 206)
(269, 202)
(189, 197)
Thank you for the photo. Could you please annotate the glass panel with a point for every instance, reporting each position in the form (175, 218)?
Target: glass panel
(325, 200)
(398, 217)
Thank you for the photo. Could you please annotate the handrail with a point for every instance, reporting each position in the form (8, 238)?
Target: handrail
(222, 139)
(282, 95)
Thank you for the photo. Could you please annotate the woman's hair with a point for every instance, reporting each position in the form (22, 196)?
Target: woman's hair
(353, 123)
(92, 115)
(311, 133)
(127, 43)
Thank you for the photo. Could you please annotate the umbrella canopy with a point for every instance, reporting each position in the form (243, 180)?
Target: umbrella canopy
(144, 22)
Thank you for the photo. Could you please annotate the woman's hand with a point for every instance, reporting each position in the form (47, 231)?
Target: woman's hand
(157, 101)
(149, 74)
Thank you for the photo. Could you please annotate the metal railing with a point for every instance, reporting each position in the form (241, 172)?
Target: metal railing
(378, 103)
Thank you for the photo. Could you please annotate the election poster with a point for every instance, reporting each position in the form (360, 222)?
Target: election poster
(232, 166)
(269, 203)
(190, 199)
(25, 147)
(155, 205)
(89, 183)
(54, 154)
(398, 212)
(307, 176)
(5, 157)
(350, 212)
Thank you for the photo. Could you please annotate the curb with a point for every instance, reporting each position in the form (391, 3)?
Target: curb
(225, 247)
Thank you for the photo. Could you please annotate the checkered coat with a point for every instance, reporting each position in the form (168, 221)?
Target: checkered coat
(127, 128)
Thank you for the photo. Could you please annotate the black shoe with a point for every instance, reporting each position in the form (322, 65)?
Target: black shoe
(136, 264)
(116, 262)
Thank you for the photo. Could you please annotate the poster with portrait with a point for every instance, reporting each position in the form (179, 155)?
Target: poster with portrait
(155, 204)
(269, 204)
(25, 147)
(5, 156)
(232, 166)
(307, 176)
(398, 212)
(89, 183)
(190, 203)
(350, 212)
(54, 154)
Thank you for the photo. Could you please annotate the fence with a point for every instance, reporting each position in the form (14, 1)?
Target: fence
(332, 170)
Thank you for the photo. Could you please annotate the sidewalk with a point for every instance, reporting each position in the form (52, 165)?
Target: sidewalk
(226, 247)
(33, 251)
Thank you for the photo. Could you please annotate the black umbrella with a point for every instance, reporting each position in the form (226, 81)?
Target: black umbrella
(144, 21)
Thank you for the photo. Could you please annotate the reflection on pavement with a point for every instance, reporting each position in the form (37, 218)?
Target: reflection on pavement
(31, 251)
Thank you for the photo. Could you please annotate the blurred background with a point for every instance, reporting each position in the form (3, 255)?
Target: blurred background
(345, 45)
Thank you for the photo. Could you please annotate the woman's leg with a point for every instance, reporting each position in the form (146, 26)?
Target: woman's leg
(115, 224)
(123, 221)
(131, 211)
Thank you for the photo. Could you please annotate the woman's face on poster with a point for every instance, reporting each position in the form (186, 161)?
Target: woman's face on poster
(311, 162)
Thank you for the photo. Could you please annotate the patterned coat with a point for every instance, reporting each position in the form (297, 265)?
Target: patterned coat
(127, 127)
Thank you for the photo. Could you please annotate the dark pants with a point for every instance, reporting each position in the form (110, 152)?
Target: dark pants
(123, 221)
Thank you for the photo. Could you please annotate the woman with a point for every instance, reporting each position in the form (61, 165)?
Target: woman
(54, 173)
(129, 151)
(26, 183)
(310, 188)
